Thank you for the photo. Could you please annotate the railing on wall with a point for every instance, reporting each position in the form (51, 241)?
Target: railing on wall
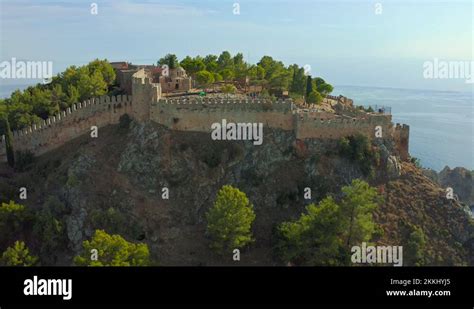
(381, 109)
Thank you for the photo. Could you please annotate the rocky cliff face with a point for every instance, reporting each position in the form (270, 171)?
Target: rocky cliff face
(415, 200)
(118, 182)
(462, 182)
(459, 179)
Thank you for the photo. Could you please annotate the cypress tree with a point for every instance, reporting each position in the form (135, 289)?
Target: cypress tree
(9, 143)
(309, 86)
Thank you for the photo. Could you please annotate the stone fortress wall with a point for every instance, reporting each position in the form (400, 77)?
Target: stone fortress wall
(198, 114)
(309, 126)
(69, 124)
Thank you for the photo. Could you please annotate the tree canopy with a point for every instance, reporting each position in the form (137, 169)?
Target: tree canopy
(325, 234)
(204, 78)
(170, 60)
(359, 149)
(18, 255)
(229, 221)
(273, 75)
(12, 217)
(313, 239)
(35, 103)
(112, 250)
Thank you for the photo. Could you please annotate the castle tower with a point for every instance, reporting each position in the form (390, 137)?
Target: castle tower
(144, 92)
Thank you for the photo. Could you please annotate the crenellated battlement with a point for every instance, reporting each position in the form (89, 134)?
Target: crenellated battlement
(314, 126)
(224, 104)
(314, 119)
(69, 124)
(198, 114)
(79, 110)
(211, 101)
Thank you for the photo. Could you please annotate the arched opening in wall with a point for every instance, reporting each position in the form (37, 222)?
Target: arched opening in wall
(175, 120)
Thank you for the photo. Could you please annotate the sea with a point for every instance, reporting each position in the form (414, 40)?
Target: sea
(441, 122)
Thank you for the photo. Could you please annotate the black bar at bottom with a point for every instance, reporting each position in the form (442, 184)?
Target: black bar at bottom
(243, 285)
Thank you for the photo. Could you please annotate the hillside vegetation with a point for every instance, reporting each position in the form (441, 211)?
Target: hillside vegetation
(116, 183)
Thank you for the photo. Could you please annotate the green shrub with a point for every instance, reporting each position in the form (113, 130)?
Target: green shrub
(416, 162)
(234, 150)
(212, 158)
(416, 247)
(288, 197)
(72, 180)
(18, 255)
(12, 217)
(124, 122)
(50, 228)
(228, 88)
(358, 149)
(314, 97)
(345, 147)
(111, 219)
(113, 250)
(251, 177)
(23, 159)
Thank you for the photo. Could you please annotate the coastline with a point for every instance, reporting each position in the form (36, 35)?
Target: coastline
(440, 122)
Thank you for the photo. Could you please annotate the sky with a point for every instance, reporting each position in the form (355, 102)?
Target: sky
(351, 42)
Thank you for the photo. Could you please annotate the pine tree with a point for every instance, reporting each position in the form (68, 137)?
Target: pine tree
(112, 250)
(12, 219)
(18, 255)
(325, 234)
(170, 60)
(358, 204)
(229, 222)
(314, 238)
